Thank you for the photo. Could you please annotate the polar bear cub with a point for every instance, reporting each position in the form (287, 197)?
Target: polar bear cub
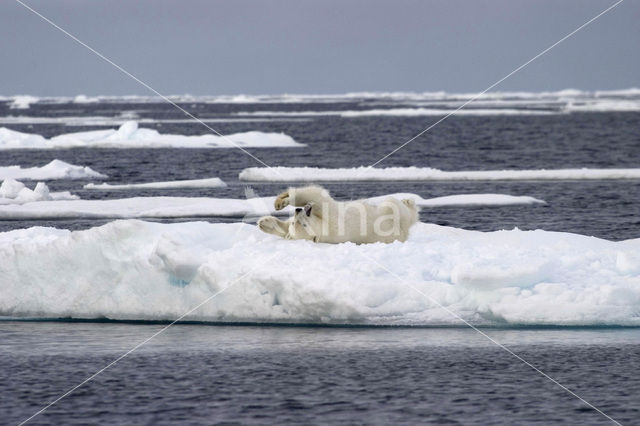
(321, 219)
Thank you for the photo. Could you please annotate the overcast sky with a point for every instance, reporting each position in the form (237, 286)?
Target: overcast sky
(272, 47)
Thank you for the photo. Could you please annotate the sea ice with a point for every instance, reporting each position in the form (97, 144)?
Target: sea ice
(315, 174)
(174, 207)
(129, 135)
(400, 112)
(151, 271)
(14, 192)
(56, 169)
(23, 102)
(193, 183)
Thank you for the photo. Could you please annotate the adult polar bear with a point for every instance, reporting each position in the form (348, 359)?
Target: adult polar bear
(321, 219)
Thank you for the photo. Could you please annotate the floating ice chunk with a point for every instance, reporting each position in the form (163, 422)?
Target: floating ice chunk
(84, 99)
(11, 139)
(193, 183)
(173, 207)
(315, 174)
(603, 106)
(23, 102)
(56, 169)
(152, 271)
(10, 188)
(97, 120)
(140, 207)
(128, 135)
(14, 192)
(427, 112)
(465, 200)
(402, 112)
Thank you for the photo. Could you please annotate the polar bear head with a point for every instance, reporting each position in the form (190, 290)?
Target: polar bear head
(305, 223)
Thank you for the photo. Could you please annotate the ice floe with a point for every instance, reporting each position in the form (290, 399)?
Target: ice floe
(133, 270)
(129, 135)
(96, 120)
(22, 102)
(192, 183)
(316, 174)
(465, 200)
(175, 207)
(400, 112)
(14, 192)
(56, 169)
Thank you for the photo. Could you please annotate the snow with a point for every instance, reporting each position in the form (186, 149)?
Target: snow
(14, 192)
(118, 120)
(23, 102)
(139, 207)
(193, 183)
(129, 135)
(464, 200)
(56, 169)
(315, 174)
(351, 96)
(604, 106)
(401, 112)
(175, 207)
(561, 98)
(151, 271)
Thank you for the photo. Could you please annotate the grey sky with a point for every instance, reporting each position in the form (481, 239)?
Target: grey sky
(270, 47)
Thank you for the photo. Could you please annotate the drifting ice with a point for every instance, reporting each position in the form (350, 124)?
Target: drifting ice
(174, 207)
(54, 170)
(129, 135)
(315, 174)
(14, 192)
(150, 271)
(193, 183)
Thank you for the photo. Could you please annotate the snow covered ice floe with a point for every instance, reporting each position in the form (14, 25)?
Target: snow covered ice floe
(14, 192)
(193, 183)
(22, 101)
(129, 135)
(316, 174)
(399, 112)
(56, 169)
(464, 200)
(97, 120)
(150, 271)
(174, 207)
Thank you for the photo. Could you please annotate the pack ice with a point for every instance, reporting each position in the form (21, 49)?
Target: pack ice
(14, 192)
(129, 135)
(132, 269)
(56, 169)
(316, 174)
(159, 207)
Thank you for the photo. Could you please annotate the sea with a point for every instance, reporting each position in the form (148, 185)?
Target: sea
(251, 373)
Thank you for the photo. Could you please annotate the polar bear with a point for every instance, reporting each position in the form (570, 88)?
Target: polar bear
(321, 219)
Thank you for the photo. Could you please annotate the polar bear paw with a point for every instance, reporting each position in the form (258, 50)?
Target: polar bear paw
(282, 201)
(267, 223)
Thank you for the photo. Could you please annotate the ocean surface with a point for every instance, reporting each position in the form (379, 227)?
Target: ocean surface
(203, 373)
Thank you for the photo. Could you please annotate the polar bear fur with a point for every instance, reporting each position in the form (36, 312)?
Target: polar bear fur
(321, 219)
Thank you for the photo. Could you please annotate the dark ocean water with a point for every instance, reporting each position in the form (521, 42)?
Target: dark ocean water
(195, 374)
(203, 374)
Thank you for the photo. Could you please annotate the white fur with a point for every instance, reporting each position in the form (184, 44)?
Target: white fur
(322, 219)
